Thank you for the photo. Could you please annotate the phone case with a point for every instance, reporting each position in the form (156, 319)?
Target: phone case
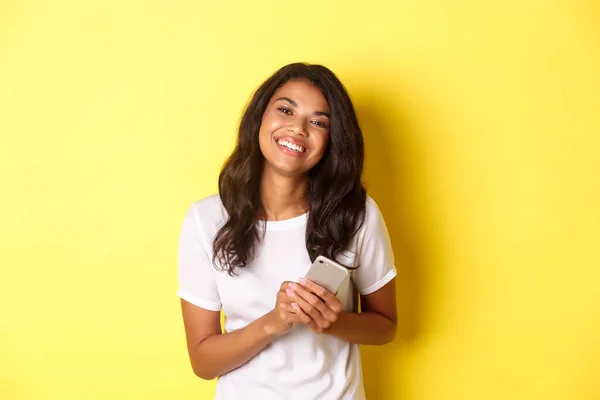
(327, 273)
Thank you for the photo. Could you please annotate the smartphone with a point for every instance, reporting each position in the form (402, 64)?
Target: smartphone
(327, 273)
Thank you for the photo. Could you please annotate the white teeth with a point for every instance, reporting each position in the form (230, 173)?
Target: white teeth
(291, 146)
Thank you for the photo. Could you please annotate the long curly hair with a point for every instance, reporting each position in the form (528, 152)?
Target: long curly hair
(336, 194)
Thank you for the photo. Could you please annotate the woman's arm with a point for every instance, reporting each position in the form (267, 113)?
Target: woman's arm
(213, 353)
(322, 312)
(375, 324)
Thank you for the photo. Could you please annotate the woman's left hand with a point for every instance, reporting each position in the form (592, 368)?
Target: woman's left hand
(317, 307)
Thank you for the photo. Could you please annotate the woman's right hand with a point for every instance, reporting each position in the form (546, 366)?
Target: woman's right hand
(281, 319)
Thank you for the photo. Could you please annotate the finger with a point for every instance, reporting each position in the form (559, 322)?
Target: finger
(309, 322)
(329, 298)
(329, 314)
(283, 297)
(310, 303)
(314, 327)
(290, 313)
(301, 314)
(312, 312)
(308, 296)
(288, 308)
(324, 309)
(318, 290)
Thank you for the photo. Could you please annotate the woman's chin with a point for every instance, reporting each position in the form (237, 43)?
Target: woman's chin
(287, 170)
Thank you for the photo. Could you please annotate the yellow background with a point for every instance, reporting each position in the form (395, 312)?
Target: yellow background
(482, 122)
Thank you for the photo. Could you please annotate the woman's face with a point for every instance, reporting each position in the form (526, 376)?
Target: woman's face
(295, 129)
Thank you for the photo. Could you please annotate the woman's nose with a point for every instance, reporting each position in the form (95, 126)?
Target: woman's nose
(297, 128)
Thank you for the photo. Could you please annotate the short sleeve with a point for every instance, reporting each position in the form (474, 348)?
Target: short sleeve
(197, 284)
(374, 252)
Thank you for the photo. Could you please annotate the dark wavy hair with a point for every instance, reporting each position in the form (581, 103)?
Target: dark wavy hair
(336, 194)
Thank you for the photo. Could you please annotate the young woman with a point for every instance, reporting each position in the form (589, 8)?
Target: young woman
(290, 191)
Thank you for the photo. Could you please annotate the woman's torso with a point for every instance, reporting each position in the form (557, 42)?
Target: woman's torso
(302, 364)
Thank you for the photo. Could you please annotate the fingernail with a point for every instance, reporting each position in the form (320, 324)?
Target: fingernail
(293, 286)
(302, 281)
(289, 292)
(294, 306)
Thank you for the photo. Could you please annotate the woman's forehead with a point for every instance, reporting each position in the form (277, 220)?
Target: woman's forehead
(302, 93)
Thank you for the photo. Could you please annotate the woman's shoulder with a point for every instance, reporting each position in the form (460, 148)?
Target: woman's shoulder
(371, 209)
(373, 217)
(209, 203)
(209, 210)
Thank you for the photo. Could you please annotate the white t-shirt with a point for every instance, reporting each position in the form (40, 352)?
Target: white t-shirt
(301, 364)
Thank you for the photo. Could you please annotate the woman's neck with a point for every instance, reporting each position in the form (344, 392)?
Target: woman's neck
(283, 197)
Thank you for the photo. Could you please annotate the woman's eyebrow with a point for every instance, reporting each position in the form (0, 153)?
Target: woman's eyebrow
(292, 102)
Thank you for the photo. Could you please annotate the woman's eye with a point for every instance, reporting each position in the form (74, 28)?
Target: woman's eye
(321, 124)
(285, 110)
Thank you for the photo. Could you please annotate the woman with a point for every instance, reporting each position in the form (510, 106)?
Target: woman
(290, 191)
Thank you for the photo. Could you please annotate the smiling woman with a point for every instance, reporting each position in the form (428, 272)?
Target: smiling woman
(290, 191)
(294, 129)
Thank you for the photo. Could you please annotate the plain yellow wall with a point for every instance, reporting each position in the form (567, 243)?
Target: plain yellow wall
(482, 122)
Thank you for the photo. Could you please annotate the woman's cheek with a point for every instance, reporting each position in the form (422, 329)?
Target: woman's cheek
(273, 123)
(324, 140)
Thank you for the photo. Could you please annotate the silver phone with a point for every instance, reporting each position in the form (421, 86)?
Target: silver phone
(327, 273)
